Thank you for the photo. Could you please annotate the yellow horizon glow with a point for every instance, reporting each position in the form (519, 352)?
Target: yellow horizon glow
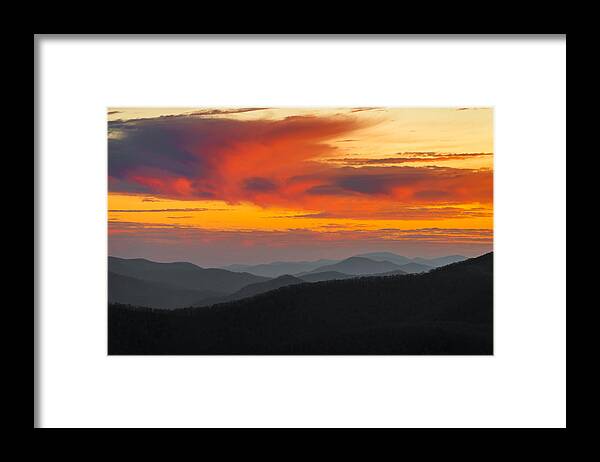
(383, 133)
(222, 216)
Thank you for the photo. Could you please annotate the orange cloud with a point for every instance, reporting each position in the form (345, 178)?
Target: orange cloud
(277, 163)
(408, 157)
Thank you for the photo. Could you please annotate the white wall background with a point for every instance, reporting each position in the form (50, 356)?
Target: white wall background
(522, 385)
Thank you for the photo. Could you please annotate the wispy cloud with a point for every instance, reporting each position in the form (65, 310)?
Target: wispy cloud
(197, 209)
(409, 157)
(209, 112)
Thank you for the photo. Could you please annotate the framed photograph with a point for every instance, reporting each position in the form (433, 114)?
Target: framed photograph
(300, 231)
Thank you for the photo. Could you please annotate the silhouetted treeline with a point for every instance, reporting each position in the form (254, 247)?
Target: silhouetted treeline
(446, 311)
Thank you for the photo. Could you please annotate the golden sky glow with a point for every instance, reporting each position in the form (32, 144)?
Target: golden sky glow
(347, 180)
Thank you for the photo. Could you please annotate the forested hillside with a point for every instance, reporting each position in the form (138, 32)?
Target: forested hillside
(445, 311)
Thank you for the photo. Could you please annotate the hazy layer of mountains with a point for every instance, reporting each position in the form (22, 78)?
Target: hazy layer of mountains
(446, 310)
(280, 268)
(181, 284)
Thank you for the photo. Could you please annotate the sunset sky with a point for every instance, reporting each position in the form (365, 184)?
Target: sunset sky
(254, 185)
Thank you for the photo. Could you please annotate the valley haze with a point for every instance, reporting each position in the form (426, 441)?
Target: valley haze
(139, 281)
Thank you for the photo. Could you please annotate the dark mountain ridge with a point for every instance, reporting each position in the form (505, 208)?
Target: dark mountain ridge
(444, 311)
(129, 290)
(356, 266)
(299, 268)
(253, 289)
(413, 267)
(183, 275)
(386, 256)
(326, 276)
(279, 268)
(440, 261)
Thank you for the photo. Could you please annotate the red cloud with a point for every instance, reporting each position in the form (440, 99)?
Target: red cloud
(270, 163)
